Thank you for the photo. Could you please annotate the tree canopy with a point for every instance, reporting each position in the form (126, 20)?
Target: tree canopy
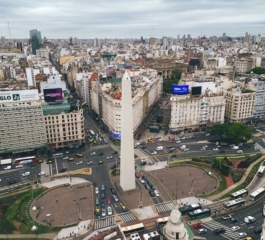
(232, 132)
(257, 70)
(174, 79)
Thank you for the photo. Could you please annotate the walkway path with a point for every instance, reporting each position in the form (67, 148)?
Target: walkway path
(236, 184)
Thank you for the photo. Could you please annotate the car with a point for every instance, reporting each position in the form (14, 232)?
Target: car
(145, 178)
(103, 188)
(79, 155)
(100, 154)
(226, 216)
(102, 204)
(113, 191)
(80, 162)
(249, 219)
(178, 141)
(219, 230)
(172, 149)
(71, 159)
(104, 140)
(137, 175)
(93, 153)
(109, 157)
(241, 234)
(124, 209)
(143, 147)
(235, 228)
(7, 167)
(11, 182)
(41, 173)
(65, 158)
(40, 161)
(159, 148)
(25, 174)
(147, 187)
(96, 190)
(207, 134)
(67, 152)
(108, 201)
(103, 212)
(197, 225)
(143, 161)
(186, 149)
(97, 210)
(202, 231)
(102, 195)
(239, 151)
(100, 162)
(115, 198)
(113, 166)
(156, 193)
(109, 210)
(233, 220)
(154, 152)
(183, 137)
(89, 163)
(115, 152)
(141, 180)
(152, 194)
(19, 166)
(216, 149)
(258, 230)
(62, 170)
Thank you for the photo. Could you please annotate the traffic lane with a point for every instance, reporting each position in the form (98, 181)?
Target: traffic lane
(208, 235)
(255, 211)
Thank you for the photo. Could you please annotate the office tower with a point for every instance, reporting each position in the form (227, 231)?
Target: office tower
(127, 178)
(36, 41)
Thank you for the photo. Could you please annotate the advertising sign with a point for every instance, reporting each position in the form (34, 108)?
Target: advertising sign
(19, 96)
(53, 95)
(115, 135)
(180, 89)
(196, 90)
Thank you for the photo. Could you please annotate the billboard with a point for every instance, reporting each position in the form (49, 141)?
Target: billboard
(19, 96)
(180, 89)
(115, 134)
(53, 95)
(196, 90)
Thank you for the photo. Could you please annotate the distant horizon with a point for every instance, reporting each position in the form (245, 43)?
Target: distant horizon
(131, 19)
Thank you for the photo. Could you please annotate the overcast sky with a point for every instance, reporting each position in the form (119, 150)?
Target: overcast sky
(131, 18)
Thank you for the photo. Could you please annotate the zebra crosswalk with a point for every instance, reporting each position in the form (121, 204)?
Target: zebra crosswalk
(127, 217)
(164, 207)
(228, 234)
(104, 222)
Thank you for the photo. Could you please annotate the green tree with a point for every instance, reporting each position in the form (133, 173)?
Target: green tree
(257, 70)
(232, 132)
(174, 79)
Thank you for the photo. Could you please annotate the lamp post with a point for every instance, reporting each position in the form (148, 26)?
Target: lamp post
(191, 190)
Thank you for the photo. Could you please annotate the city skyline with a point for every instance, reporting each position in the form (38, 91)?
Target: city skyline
(117, 19)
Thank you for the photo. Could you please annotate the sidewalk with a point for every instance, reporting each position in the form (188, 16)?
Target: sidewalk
(211, 198)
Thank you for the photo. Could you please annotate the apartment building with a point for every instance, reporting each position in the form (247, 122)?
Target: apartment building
(106, 98)
(243, 65)
(22, 125)
(239, 104)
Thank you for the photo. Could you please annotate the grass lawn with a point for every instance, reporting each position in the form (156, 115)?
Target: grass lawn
(14, 212)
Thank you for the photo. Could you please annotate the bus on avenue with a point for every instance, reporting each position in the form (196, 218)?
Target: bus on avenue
(189, 208)
(162, 221)
(25, 160)
(199, 213)
(261, 171)
(257, 194)
(133, 228)
(239, 194)
(233, 203)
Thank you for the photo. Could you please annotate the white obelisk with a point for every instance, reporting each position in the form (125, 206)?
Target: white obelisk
(127, 177)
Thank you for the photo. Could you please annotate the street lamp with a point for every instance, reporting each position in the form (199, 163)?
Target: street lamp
(191, 190)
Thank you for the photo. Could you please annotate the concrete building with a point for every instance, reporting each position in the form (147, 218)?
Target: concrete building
(43, 53)
(243, 65)
(22, 125)
(239, 104)
(64, 127)
(106, 98)
(127, 176)
(53, 81)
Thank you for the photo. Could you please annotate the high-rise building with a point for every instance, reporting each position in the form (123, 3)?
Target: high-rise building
(36, 41)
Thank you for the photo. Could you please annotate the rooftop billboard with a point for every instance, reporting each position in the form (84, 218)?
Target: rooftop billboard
(53, 95)
(180, 89)
(19, 96)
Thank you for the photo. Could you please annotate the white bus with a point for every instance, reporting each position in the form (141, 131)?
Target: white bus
(239, 193)
(256, 194)
(261, 171)
(234, 203)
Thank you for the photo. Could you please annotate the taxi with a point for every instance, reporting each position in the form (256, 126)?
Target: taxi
(124, 209)
(71, 159)
(79, 155)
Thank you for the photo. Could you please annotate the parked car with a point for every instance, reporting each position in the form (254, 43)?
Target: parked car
(152, 194)
(109, 211)
(96, 190)
(137, 175)
(108, 201)
(197, 225)
(202, 231)
(113, 191)
(115, 198)
(93, 153)
(141, 180)
(156, 193)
